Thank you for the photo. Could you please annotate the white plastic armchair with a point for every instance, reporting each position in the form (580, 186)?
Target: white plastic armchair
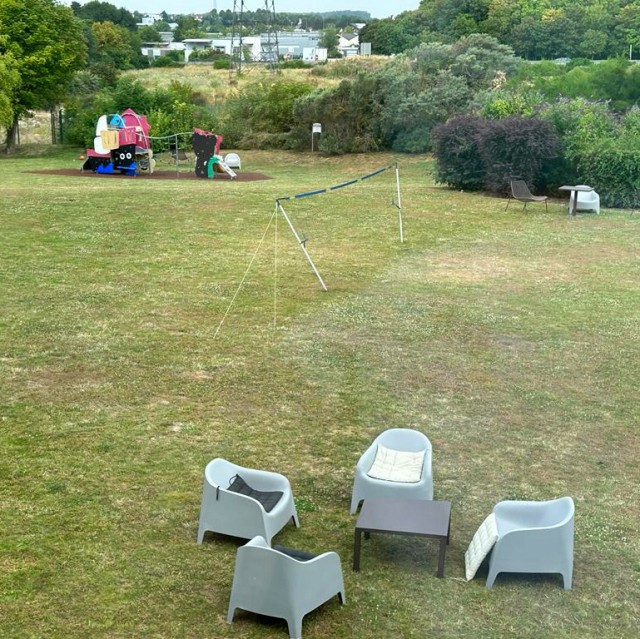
(233, 161)
(269, 582)
(402, 439)
(534, 537)
(587, 200)
(244, 515)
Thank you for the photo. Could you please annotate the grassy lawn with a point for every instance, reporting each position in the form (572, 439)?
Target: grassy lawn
(510, 339)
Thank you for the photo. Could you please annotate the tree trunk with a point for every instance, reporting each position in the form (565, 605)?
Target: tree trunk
(12, 134)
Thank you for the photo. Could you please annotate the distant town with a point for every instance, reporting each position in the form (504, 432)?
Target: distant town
(257, 37)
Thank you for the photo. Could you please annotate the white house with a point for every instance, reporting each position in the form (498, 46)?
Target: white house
(155, 50)
(250, 44)
(195, 44)
(149, 20)
(348, 44)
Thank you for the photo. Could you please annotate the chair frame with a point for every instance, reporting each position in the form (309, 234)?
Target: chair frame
(230, 513)
(529, 543)
(269, 582)
(365, 487)
(520, 191)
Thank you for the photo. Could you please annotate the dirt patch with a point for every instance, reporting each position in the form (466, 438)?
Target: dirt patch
(156, 175)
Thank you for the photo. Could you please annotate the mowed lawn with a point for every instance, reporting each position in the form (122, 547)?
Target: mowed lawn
(511, 339)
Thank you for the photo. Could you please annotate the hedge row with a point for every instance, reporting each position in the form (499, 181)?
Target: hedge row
(476, 154)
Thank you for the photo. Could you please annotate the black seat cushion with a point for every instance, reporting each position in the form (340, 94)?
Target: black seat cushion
(300, 555)
(268, 499)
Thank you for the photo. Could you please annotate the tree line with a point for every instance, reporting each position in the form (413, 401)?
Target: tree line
(535, 29)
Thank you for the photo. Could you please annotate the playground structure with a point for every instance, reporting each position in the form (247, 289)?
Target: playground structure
(122, 144)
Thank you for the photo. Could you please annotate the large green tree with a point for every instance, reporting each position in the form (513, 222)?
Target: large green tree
(329, 40)
(9, 81)
(116, 45)
(45, 41)
(104, 12)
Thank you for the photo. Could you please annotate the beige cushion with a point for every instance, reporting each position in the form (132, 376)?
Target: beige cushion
(397, 465)
(480, 546)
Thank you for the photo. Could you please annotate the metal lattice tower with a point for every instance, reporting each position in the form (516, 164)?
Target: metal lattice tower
(235, 66)
(269, 49)
(270, 53)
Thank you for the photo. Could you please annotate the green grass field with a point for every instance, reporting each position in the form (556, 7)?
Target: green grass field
(510, 339)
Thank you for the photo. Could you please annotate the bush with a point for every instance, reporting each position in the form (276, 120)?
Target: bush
(222, 63)
(165, 62)
(518, 147)
(613, 169)
(259, 140)
(503, 103)
(580, 124)
(348, 114)
(474, 153)
(262, 108)
(459, 162)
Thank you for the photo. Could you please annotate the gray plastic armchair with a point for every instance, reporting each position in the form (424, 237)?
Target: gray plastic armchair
(534, 537)
(244, 502)
(398, 439)
(282, 583)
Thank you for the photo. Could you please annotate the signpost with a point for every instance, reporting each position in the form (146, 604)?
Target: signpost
(316, 127)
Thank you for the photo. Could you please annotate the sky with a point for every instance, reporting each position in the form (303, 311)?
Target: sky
(377, 8)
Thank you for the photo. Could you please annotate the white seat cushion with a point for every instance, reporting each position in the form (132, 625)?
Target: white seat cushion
(480, 546)
(397, 465)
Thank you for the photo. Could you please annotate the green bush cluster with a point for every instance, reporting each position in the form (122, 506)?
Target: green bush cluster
(376, 105)
(262, 114)
(567, 142)
(165, 61)
(397, 105)
(613, 169)
(177, 109)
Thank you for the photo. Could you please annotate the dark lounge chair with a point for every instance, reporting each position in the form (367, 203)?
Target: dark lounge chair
(520, 191)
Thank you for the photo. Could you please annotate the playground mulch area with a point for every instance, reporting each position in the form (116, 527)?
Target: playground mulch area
(245, 176)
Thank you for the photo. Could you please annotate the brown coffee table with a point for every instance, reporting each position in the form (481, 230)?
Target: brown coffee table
(404, 517)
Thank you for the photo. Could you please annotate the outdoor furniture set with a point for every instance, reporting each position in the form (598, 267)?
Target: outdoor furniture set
(394, 483)
(582, 197)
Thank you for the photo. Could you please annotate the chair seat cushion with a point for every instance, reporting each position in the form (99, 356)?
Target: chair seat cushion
(480, 546)
(268, 499)
(300, 555)
(397, 465)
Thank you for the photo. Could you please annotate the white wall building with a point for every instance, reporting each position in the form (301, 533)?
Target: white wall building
(252, 46)
(314, 54)
(348, 44)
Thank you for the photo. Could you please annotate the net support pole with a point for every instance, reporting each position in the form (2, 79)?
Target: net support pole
(301, 244)
(175, 140)
(399, 203)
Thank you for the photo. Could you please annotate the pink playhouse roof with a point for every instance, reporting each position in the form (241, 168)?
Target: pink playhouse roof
(132, 119)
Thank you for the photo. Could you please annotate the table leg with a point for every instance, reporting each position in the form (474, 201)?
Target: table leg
(574, 209)
(356, 550)
(443, 550)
